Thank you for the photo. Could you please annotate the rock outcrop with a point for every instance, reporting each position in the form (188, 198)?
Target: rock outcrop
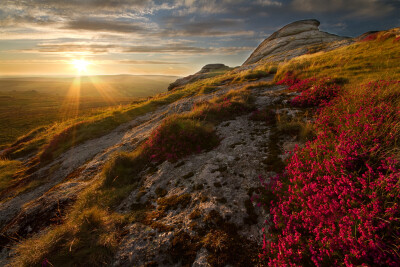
(296, 39)
(202, 74)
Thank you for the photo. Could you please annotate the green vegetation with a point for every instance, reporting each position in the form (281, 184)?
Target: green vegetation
(223, 108)
(50, 141)
(352, 155)
(115, 86)
(359, 63)
(21, 112)
(92, 211)
(90, 232)
(28, 103)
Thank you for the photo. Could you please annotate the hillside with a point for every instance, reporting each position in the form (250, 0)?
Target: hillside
(199, 175)
(30, 103)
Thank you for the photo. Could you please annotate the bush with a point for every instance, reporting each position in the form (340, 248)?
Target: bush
(314, 92)
(59, 140)
(178, 137)
(317, 95)
(224, 107)
(370, 37)
(337, 202)
(90, 239)
(255, 75)
(123, 168)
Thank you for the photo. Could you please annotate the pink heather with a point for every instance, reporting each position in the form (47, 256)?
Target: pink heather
(337, 203)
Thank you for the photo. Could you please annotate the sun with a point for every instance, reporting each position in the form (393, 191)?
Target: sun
(80, 65)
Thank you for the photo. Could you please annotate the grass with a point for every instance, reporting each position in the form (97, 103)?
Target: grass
(261, 71)
(89, 239)
(228, 106)
(90, 231)
(177, 137)
(298, 125)
(359, 62)
(8, 168)
(61, 136)
(49, 142)
(351, 163)
(28, 103)
(22, 112)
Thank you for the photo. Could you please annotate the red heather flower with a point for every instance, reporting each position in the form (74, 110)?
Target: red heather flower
(337, 202)
(288, 80)
(370, 37)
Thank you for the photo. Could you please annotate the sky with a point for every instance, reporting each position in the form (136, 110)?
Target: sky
(177, 37)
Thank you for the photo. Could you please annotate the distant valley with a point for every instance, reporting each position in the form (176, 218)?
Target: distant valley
(30, 102)
(97, 85)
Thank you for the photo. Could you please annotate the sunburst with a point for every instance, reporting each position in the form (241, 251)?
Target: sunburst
(80, 65)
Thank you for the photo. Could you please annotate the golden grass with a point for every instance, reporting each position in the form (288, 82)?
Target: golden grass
(91, 231)
(8, 168)
(359, 62)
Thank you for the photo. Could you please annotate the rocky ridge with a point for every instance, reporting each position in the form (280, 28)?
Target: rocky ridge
(295, 39)
(202, 74)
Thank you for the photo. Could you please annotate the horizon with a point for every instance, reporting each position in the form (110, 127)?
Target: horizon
(54, 76)
(173, 38)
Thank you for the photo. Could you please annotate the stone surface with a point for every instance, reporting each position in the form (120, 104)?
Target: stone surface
(202, 74)
(295, 39)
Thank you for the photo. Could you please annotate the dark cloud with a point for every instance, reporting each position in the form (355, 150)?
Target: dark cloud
(104, 26)
(214, 27)
(177, 27)
(7, 20)
(78, 5)
(361, 8)
(39, 12)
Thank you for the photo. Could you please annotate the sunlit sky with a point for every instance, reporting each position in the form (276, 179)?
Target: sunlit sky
(48, 37)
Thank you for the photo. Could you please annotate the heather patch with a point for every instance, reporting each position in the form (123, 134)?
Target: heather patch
(313, 92)
(338, 200)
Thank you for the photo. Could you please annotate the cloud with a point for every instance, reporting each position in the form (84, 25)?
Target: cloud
(104, 26)
(72, 48)
(269, 3)
(177, 26)
(13, 20)
(172, 48)
(149, 62)
(31, 13)
(359, 8)
(98, 48)
(183, 49)
(57, 6)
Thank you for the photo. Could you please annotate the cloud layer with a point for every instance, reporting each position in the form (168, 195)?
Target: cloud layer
(139, 31)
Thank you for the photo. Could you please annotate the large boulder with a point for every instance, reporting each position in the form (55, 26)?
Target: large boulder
(205, 72)
(296, 39)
